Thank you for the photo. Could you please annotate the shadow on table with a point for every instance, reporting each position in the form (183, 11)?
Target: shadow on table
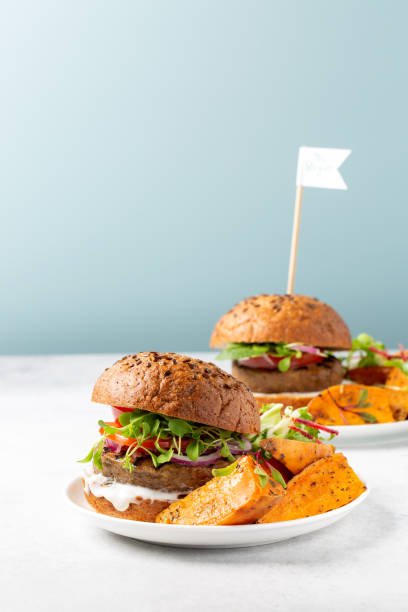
(355, 534)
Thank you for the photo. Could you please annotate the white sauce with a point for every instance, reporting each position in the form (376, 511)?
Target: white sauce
(121, 495)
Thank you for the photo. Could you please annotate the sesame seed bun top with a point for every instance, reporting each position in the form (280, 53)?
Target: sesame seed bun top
(282, 318)
(181, 387)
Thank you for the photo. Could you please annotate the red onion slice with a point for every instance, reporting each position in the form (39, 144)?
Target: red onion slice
(314, 425)
(266, 362)
(379, 352)
(113, 446)
(312, 350)
(236, 445)
(206, 460)
(203, 460)
(305, 433)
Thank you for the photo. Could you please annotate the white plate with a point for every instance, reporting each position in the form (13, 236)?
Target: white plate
(188, 536)
(375, 433)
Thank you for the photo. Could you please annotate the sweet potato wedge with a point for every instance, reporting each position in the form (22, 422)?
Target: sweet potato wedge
(396, 386)
(235, 499)
(296, 455)
(398, 399)
(397, 379)
(324, 485)
(343, 405)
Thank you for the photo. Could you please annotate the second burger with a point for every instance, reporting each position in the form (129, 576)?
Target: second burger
(280, 346)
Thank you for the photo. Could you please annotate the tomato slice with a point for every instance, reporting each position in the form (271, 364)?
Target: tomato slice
(271, 362)
(148, 444)
(117, 411)
(112, 424)
(120, 439)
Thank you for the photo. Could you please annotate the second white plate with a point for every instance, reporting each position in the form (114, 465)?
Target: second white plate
(377, 433)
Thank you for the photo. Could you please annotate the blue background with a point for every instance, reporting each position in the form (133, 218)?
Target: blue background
(148, 155)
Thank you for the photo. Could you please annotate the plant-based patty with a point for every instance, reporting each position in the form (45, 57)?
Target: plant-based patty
(168, 477)
(313, 377)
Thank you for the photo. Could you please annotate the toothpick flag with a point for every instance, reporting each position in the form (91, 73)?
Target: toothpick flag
(317, 167)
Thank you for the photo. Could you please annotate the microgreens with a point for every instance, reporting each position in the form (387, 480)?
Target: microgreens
(263, 476)
(276, 475)
(367, 352)
(161, 437)
(225, 471)
(284, 352)
(259, 457)
(291, 424)
(241, 350)
(95, 454)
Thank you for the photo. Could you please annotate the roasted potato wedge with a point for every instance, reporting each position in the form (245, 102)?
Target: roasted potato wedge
(324, 485)
(397, 379)
(296, 455)
(396, 387)
(351, 405)
(235, 499)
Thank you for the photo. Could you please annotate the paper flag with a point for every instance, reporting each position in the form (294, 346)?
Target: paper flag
(318, 167)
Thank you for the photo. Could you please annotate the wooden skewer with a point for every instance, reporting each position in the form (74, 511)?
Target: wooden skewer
(295, 239)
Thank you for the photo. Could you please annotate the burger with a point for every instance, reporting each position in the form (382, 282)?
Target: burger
(175, 419)
(281, 346)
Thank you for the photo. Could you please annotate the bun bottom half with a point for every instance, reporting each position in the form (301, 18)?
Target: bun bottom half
(296, 400)
(146, 510)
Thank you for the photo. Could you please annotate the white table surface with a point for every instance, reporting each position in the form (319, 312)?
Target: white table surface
(52, 560)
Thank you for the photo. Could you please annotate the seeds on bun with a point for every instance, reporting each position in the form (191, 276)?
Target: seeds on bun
(282, 318)
(181, 387)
